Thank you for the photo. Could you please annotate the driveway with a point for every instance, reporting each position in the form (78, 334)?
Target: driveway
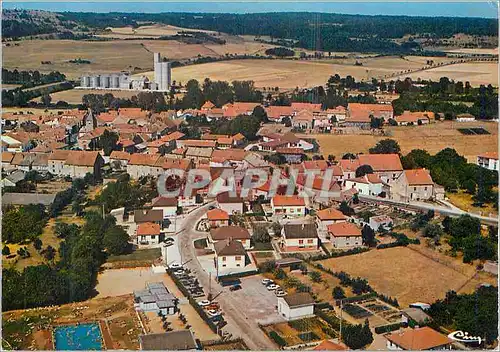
(240, 323)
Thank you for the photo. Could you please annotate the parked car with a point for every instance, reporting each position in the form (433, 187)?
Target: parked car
(280, 293)
(213, 313)
(235, 288)
(204, 303)
(175, 265)
(267, 282)
(211, 207)
(273, 287)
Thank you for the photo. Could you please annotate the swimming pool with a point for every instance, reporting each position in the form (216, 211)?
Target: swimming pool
(78, 337)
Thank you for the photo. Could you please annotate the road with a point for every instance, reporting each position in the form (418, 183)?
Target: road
(237, 323)
(426, 206)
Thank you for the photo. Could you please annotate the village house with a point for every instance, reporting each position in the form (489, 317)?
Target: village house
(339, 113)
(152, 215)
(7, 160)
(75, 163)
(413, 184)
(148, 233)
(296, 306)
(488, 160)
(229, 254)
(197, 154)
(292, 155)
(417, 339)
(217, 218)
(303, 120)
(224, 233)
(288, 206)
(140, 165)
(195, 143)
(387, 166)
(345, 235)
(168, 206)
(327, 217)
(278, 113)
(187, 200)
(299, 237)
(231, 205)
(414, 317)
(415, 118)
(16, 142)
(348, 167)
(119, 160)
(465, 118)
(369, 184)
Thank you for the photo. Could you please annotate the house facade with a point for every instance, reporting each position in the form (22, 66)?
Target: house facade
(229, 254)
(488, 160)
(296, 306)
(288, 206)
(299, 237)
(345, 235)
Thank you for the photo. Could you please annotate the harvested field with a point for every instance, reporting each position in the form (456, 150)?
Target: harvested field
(409, 275)
(30, 329)
(433, 138)
(465, 202)
(156, 30)
(74, 96)
(475, 72)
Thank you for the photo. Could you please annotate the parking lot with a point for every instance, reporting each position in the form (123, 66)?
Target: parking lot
(254, 301)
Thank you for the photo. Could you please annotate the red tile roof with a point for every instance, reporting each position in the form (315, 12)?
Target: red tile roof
(381, 162)
(328, 345)
(116, 154)
(283, 201)
(489, 155)
(143, 159)
(418, 177)
(217, 214)
(419, 339)
(306, 106)
(172, 136)
(198, 143)
(275, 112)
(148, 228)
(343, 229)
(330, 214)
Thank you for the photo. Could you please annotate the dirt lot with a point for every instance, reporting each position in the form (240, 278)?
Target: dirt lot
(30, 329)
(290, 331)
(433, 138)
(464, 201)
(408, 275)
(118, 282)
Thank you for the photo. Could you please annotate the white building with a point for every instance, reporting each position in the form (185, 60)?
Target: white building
(488, 160)
(327, 217)
(156, 298)
(380, 221)
(162, 73)
(370, 184)
(345, 235)
(418, 339)
(229, 254)
(290, 206)
(296, 306)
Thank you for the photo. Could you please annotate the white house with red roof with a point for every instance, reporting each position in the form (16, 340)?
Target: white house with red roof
(327, 217)
(345, 235)
(387, 166)
(289, 206)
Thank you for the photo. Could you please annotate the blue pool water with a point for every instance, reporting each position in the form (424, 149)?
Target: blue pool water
(78, 337)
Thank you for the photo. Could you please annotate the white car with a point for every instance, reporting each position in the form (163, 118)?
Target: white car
(280, 293)
(267, 282)
(273, 287)
(204, 303)
(213, 312)
(175, 265)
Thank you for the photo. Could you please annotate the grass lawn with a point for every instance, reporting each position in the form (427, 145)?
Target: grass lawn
(464, 201)
(137, 255)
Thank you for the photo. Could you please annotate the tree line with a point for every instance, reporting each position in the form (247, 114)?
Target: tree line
(30, 79)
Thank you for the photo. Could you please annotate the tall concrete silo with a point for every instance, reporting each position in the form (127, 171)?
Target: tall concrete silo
(162, 72)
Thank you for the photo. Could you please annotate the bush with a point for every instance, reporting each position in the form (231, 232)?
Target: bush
(387, 328)
(277, 338)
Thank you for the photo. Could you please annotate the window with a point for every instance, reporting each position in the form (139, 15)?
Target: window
(153, 237)
(223, 259)
(223, 265)
(310, 241)
(238, 265)
(301, 241)
(425, 188)
(414, 188)
(238, 257)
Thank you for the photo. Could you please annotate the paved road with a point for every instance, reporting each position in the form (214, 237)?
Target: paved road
(426, 206)
(237, 322)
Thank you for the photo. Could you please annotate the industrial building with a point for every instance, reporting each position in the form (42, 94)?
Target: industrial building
(123, 80)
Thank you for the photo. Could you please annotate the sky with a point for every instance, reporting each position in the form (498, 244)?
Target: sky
(431, 9)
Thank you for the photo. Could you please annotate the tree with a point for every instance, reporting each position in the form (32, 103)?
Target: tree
(280, 274)
(37, 243)
(364, 170)
(116, 240)
(478, 247)
(286, 121)
(357, 336)
(49, 253)
(376, 122)
(432, 230)
(108, 141)
(245, 91)
(261, 235)
(5, 250)
(386, 146)
(346, 209)
(348, 156)
(368, 236)
(260, 113)
(193, 99)
(46, 99)
(315, 276)
(338, 292)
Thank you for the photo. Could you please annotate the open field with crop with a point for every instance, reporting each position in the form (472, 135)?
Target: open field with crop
(155, 30)
(409, 275)
(433, 138)
(475, 72)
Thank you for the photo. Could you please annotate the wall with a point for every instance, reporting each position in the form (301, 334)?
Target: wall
(347, 241)
(230, 261)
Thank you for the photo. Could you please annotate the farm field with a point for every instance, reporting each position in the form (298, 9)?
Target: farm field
(433, 138)
(475, 72)
(408, 275)
(74, 96)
